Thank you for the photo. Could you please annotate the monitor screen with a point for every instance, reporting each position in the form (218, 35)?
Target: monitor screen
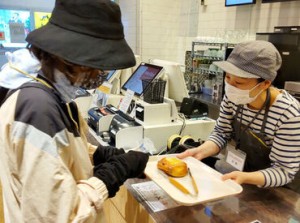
(110, 74)
(238, 2)
(177, 88)
(14, 25)
(126, 73)
(113, 77)
(144, 71)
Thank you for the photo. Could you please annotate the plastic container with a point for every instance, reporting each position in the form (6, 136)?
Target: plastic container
(154, 91)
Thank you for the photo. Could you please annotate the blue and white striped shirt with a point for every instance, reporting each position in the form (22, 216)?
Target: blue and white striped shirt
(282, 131)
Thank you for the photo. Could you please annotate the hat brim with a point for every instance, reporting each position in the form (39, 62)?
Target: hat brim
(232, 69)
(82, 49)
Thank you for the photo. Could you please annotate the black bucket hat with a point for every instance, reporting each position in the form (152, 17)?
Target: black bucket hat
(85, 32)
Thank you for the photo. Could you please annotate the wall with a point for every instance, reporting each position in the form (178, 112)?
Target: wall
(165, 29)
(215, 19)
(130, 19)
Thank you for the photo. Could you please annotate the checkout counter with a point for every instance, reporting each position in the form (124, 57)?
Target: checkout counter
(252, 205)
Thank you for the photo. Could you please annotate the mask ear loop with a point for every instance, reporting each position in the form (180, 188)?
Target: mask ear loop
(30, 76)
(47, 85)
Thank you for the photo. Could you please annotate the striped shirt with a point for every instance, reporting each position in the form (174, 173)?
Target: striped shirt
(282, 135)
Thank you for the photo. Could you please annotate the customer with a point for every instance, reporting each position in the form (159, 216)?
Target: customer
(261, 119)
(46, 172)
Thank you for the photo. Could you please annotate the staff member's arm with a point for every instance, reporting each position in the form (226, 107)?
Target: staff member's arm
(218, 138)
(256, 178)
(209, 148)
(284, 156)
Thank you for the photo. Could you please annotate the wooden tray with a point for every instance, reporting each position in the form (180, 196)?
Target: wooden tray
(208, 180)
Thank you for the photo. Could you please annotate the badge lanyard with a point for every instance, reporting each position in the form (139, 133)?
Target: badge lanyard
(266, 105)
(237, 157)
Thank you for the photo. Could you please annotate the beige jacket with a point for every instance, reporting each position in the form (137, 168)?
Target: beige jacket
(46, 173)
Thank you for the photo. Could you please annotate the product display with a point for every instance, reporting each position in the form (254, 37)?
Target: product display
(173, 166)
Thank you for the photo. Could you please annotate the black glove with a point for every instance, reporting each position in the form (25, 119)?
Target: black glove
(119, 168)
(103, 153)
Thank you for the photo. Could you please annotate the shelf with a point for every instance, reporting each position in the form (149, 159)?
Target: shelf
(207, 43)
(203, 55)
(213, 44)
(206, 71)
(208, 57)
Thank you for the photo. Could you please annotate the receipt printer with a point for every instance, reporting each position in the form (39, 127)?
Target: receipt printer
(193, 108)
(153, 114)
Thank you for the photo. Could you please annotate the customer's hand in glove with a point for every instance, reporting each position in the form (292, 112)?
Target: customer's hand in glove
(119, 168)
(103, 153)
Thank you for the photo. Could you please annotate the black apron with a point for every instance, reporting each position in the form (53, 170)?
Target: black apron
(253, 143)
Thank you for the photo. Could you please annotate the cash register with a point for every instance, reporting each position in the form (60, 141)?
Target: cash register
(115, 127)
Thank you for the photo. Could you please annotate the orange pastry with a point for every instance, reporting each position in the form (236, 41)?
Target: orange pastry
(173, 166)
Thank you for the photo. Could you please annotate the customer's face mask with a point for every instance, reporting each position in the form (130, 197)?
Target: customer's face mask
(239, 96)
(90, 79)
(82, 76)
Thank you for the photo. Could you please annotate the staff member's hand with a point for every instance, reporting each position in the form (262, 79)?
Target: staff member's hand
(194, 152)
(237, 176)
(256, 178)
(207, 149)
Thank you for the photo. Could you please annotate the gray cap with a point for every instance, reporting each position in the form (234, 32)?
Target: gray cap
(253, 59)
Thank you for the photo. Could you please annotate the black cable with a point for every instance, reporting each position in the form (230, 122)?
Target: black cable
(181, 115)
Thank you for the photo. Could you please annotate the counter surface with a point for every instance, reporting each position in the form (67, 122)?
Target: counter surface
(252, 205)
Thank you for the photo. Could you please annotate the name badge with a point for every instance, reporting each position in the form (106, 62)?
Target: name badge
(236, 158)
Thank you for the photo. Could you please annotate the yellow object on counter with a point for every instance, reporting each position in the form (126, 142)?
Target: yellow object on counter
(178, 185)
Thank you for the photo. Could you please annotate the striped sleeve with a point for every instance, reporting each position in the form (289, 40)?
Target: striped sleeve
(223, 129)
(285, 152)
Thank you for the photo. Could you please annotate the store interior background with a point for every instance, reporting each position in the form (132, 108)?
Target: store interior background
(165, 29)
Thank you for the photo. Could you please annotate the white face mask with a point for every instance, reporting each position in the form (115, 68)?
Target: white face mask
(239, 96)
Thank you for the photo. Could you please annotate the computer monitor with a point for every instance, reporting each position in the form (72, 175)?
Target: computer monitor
(177, 89)
(113, 78)
(239, 2)
(144, 71)
(112, 74)
(126, 73)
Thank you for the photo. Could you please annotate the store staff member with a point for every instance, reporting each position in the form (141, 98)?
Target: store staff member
(261, 119)
(45, 168)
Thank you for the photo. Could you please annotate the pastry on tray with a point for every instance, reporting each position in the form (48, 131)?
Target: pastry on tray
(173, 166)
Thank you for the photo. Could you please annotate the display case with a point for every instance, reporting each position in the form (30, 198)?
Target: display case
(205, 80)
